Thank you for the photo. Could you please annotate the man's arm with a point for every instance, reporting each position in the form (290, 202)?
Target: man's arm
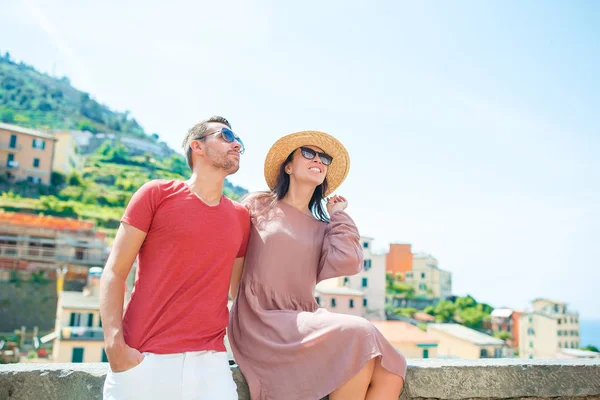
(236, 276)
(112, 292)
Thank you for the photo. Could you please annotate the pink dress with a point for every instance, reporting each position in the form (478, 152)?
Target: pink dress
(285, 345)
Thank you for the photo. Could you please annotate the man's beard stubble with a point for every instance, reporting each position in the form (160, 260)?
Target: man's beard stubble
(223, 162)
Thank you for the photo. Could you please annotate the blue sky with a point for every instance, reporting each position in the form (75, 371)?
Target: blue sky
(472, 126)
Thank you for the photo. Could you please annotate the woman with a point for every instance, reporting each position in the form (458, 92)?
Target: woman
(286, 346)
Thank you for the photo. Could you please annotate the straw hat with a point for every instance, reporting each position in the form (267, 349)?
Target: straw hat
(279, 152)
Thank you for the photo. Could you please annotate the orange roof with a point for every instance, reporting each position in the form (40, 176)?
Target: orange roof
(44, 221)
(424, 317)
(403, 332)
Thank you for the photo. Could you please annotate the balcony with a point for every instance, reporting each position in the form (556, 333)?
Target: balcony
(9, 166)
(81, 333)
(49, 254)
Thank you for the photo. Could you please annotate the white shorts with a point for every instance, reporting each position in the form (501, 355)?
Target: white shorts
(200, 375)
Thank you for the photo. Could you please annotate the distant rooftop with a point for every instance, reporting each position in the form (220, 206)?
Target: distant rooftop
(502, 313)
(340, 291)
(27, 131)
(80, 301)
(44, 221)
(549, 301)
(580, 353)
(403, 332)
(471, 335)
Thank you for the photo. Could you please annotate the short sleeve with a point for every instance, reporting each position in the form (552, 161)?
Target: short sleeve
(244, 217)
(141, 207)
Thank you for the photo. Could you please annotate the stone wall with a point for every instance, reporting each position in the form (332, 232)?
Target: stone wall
(426, 379)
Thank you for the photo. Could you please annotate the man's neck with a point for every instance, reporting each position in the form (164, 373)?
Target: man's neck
(298, 196)
(207, 185)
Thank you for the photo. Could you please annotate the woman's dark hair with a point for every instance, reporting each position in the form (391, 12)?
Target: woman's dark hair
(315, 204)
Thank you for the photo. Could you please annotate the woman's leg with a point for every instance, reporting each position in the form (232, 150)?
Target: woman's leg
(384, 385)
(356, 388)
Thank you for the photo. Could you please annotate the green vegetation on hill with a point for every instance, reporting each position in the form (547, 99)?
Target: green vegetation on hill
(102, 190)
(111, 175)
(33, 99)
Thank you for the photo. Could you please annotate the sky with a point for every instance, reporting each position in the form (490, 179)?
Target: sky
(472, 126)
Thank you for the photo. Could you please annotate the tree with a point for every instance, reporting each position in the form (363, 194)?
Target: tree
(465, 302)
(591, 348)
(407, 312)
(444, 311)
(503, 335)
(8, 116)
(473, 317)
(399, 276)
(57, 179)
(74, 179)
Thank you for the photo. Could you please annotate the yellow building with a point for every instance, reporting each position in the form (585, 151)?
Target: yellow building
(26, 154)
(456, 340)
(78, 333)
(427, 278)
(66, 154)
(548, 329)
(411, 341)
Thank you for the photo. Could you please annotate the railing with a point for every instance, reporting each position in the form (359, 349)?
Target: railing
(81, 333)
(49, 254)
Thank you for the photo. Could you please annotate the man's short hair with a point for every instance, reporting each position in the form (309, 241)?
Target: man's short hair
(196, 132)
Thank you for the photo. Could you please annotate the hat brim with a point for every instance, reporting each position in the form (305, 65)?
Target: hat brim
(283, 147)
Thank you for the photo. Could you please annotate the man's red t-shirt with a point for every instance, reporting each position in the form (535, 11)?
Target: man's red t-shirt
(179, 302)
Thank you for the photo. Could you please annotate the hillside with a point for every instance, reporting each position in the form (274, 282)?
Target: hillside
(32, 99)
(111, 173)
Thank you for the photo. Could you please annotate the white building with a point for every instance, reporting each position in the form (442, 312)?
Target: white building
(370, 282)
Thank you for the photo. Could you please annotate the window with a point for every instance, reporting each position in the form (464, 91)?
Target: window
(13, 142)
(333, 302)
(530, 331)
(566, 345)
(559, 333)
(346, 280)
(365, 303)
(38, 144)
(559, 321)
(365, 282)
(409, 275)
(559, 345)
(75, 319)
(531, 344)
(508, 328)
(422, 286)
(483, 353)
(425, 353)
(104, 358)
(351, 303)
(366, 245)
(36, 162)
(77, 355)
(34, 179)
(10, 160)
(572, 345)
(498, 353)
(367, 264)
(90, 321)
(422, 275)
(530, 319)
(100, 320)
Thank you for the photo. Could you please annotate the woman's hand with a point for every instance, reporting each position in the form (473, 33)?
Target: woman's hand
(336, 203)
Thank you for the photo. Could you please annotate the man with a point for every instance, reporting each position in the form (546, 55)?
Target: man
(187, 237)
